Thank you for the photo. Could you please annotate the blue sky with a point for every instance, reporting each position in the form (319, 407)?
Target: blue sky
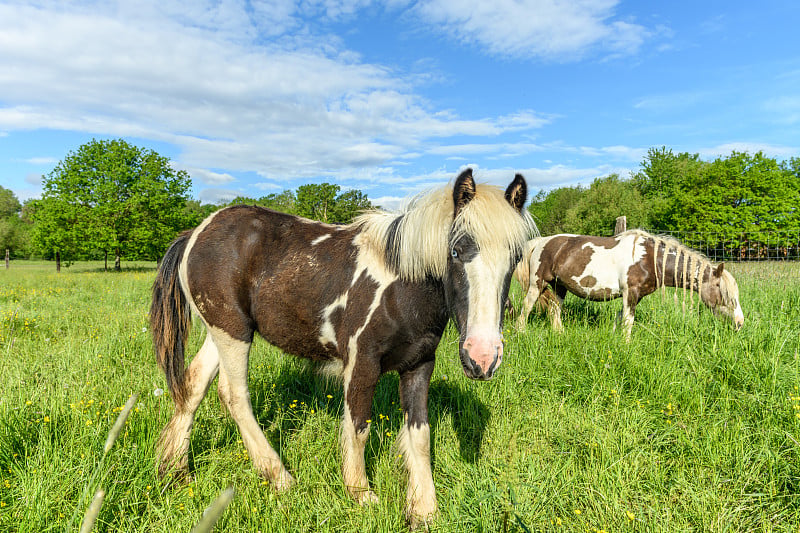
(397, 96)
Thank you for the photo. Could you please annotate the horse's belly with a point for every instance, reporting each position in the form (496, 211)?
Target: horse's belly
(598, 289)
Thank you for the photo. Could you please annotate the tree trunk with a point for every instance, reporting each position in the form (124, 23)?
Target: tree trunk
(8, 257)
(58, 261)
(106, 259)
(117, 266)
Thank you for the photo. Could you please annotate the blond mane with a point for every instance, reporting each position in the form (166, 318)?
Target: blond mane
(417, 240)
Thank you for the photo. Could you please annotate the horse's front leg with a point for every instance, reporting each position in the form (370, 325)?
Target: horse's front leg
(629, 300)
(531, 296)
(359, 388)
(415, 445)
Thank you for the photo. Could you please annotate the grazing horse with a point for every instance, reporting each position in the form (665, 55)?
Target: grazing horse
(630, 265)
(373, 296)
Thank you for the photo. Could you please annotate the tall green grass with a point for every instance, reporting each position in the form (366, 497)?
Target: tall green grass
(689, 427)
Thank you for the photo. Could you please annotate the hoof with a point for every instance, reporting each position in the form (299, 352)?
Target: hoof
(365, 497)
(170, 475)
(420, 521)
(420, 514)
(283, 481)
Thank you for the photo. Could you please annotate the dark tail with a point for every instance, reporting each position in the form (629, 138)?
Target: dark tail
(171, 319)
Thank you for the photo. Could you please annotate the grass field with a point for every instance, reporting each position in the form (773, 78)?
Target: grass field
(690, 427)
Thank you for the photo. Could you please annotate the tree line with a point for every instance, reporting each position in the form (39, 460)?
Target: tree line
(110, 199)
(732, 196)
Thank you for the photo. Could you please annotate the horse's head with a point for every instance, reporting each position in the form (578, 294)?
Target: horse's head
(722, 295)
(487, 238)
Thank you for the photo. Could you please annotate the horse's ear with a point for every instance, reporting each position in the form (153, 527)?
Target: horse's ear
(517, 192)
(719, 269)
(464, 190)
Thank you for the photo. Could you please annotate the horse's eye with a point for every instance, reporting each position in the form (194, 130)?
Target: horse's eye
(454, 253)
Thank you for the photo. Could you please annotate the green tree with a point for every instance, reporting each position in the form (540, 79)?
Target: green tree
(284, 202)
(661, 180)
(14, 232)
(317, 201)
(549, 209)
(111, 197)
(349, 204)
(606, 199)
(323, 202)
(195, 212)
(740, 193)
(9, 204)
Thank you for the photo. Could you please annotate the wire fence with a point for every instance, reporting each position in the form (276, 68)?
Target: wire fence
(756, 246)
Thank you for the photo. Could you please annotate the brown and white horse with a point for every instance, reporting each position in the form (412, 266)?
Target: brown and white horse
(373, 296)
(630, 265)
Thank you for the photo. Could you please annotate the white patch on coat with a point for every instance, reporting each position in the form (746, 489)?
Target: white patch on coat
(366, 261)
(327, 333)
(320, 239)
(183, 268)
(610, 266)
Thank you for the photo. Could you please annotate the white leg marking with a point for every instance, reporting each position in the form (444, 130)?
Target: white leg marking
(554, 309)
(527, 304)
(627, 316)
(354, 470)
(174, 441)
(233, 361)
(415, 445)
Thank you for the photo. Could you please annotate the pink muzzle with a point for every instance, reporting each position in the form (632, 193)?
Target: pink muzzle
(481, 356)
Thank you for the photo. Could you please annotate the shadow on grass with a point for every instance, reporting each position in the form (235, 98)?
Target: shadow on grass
(576, 311)
(282, 404)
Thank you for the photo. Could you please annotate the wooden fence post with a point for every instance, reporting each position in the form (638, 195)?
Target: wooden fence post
(622, 225)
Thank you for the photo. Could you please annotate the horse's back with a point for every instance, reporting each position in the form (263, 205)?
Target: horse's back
(586, 265)
(245, 260)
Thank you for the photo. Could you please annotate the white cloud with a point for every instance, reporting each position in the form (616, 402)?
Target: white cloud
(208, 79)
(42, 160)
(770, 150)
(217, 196)
(547, 29)
(34, 179)
(209, 177)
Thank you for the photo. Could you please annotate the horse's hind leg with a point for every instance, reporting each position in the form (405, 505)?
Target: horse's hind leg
(235, 394)
(553, 302)
(174, 441)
